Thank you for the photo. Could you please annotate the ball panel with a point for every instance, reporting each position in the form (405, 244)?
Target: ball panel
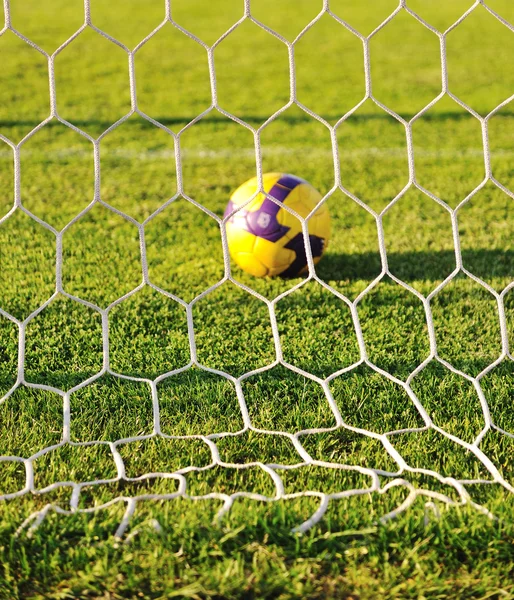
(239, 240)
(294, 202)
(270, 179)
(303, 199)
(319, 223)
(272, 255)
(250, 263)
(264, 222)
(290, 222)
(297, 244)
(247, 189)
(309, 195)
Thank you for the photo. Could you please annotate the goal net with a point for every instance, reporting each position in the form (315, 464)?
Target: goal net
(121, 389)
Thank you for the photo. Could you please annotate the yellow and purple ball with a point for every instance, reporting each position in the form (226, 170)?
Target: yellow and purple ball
(264, 238)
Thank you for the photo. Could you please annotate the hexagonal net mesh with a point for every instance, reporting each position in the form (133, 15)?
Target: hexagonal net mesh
(379, 480)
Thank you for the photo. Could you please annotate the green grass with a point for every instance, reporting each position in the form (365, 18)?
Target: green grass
(252, 552)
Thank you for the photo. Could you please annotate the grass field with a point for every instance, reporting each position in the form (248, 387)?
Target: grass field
(252, 552)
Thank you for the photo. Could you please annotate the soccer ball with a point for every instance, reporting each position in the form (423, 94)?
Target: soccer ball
(263, 238)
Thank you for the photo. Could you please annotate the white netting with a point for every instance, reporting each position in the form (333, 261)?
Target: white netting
(379, 481)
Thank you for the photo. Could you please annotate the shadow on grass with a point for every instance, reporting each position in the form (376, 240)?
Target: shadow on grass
(417, 266)
(250, 118)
